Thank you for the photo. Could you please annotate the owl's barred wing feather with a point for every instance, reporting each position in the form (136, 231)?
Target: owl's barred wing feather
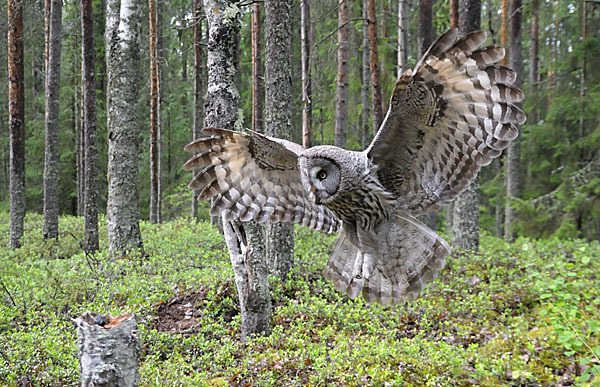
(254, 177)
(454, 114)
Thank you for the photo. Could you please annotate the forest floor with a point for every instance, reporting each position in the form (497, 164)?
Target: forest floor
(526, 314)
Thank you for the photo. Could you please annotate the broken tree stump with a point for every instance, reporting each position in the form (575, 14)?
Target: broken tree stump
(109, 350)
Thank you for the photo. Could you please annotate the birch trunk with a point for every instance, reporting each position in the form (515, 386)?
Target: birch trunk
(123, 18)
(16, 120)
(90, 155)
(244, 241)
(341, 106)
(50, 227)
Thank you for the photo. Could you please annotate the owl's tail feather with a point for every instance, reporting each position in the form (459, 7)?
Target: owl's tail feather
(408, 256)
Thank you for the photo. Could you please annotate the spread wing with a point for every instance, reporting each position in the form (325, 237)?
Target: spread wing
(454, 114)
(254, 177)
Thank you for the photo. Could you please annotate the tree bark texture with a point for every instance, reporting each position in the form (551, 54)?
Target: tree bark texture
(425, 25)
(504, 30)
(16, 120)
(374, 62)
(123, 18)
(50, 227)
(258, 96)
(534, 63)
(402, 36)
(365, 88)
(278, 116)
(454, 13)
(90, 135)
(109, 350)
(513, 156)
(305, 41)
(466, 207)
(341, 105)
(244, 240)
(199, 75)
(154, 108)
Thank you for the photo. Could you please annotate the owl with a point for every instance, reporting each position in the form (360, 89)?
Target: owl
(453, 114)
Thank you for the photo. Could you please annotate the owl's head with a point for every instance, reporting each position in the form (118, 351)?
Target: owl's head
(327, 171)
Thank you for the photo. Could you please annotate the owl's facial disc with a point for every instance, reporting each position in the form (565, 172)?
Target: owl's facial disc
(323, 179)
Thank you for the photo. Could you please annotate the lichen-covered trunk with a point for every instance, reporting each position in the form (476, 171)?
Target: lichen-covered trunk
(16, 120)
(278, 116)
(466, 207)
(513, 156)
(123, 19)
(244, 240)
(425, 25)
(50, 227)
(305, 41)
(374, 63)
(365, 88)
(341, 103)
(90, 155)
(154, 107)
(199, 61)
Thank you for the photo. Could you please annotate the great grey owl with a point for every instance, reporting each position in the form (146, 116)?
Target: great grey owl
(453, 114)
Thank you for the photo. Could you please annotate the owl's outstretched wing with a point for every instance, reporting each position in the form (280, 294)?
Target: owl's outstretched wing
(454, 114)
(254, 177)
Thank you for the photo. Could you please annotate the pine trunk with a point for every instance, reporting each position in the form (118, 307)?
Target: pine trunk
(305, 38)
(504, 30)
(425, 25)
(466, 207)
(198, 88)
(374, 62)
(513, 156)
(244, 240)
(54, 31)
(278, 117)
(123, 18)
(402, 37)
(534, 63)
(16, 120)
(365, 89)
(154, 107)
(341, 106)
(90, 156)
(454, 13)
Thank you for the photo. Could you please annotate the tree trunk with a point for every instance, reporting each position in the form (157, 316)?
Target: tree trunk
(504, 30)
(582, 77)
(466, 207)
(123, 18)
(454, 13)
(374, 62)
(365, 89)
(109, 350)
(16, 120)
(50, 227)
(199, 74)
(425, 25)
(90, 171)
(402, 37)
(305, 38)
(513, 156)
(244, 240)
(258, 96)
(534, 63)
(341, 106)
(154, 107)
(278, 117)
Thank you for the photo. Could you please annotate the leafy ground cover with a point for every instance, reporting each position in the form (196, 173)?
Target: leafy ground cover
(526, 314)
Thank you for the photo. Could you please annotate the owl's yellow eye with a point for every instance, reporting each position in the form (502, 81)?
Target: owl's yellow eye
(321, 175)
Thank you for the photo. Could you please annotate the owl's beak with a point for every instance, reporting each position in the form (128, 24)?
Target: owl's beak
(314, 191)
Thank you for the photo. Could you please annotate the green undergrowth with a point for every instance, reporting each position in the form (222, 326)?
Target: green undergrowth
(526, 314)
